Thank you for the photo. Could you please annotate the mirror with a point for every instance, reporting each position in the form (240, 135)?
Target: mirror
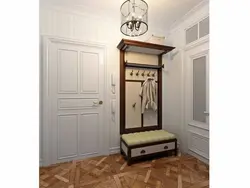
(133, 105)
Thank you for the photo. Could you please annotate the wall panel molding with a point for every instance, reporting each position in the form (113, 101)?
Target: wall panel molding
(198, 143)
(114, 150)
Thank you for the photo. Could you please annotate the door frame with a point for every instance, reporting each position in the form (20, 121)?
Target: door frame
(194, 129)
(185, 88)
(45, 120)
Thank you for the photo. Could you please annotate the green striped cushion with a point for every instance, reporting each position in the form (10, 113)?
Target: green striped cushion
(147, 137)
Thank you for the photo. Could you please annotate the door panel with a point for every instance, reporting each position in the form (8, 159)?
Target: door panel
(67, 71)
(199, 144)
(197, 101)
(67, 135)
(75, 103)
(89, 63)
(199, 89)
(76, 85)
(89, 133)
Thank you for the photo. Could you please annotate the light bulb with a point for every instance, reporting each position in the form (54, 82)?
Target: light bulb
(129, 25)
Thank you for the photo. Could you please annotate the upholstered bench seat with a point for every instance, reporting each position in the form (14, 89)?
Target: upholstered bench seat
(147, 137)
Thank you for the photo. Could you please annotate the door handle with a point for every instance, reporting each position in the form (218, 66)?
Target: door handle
(165, 147)
(206, 113)
(143, 151)
(97, 103)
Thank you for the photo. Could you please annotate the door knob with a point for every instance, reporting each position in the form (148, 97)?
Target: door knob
(206, 113)
(97, 102)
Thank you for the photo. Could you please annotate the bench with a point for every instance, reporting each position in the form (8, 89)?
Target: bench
(142, 145)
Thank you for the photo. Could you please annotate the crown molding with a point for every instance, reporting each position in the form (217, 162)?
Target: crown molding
(83, 11)
(177, 23)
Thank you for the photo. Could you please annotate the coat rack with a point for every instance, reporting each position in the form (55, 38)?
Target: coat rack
(144, 48)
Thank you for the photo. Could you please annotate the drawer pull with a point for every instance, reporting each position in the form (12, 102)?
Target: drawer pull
(165, 147)
(143, 151)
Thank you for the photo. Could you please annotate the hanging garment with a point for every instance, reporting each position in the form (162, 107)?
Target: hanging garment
(148, 94)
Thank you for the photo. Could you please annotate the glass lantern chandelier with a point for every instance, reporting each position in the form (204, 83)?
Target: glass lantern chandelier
(134, 18)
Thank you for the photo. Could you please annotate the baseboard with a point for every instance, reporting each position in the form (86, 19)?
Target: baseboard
(114, 150)
(203, 159)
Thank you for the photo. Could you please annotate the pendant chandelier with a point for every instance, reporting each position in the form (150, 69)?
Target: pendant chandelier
(134, 18)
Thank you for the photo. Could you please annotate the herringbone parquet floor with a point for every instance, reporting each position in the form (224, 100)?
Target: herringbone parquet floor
(113, 172)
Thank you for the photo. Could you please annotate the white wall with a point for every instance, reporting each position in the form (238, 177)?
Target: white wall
(173, 88)
(92, 27)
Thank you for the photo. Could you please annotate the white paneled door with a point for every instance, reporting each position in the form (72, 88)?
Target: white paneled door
(197, 101)
(75, 94)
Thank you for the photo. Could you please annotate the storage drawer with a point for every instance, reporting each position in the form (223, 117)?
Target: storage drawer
(152, 149)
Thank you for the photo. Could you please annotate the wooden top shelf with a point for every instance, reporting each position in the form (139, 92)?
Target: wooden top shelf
(143, 47)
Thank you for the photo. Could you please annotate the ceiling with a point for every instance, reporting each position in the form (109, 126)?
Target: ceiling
(164, 12)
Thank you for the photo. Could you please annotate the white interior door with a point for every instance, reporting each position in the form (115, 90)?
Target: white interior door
(76, 94)
(197, 101)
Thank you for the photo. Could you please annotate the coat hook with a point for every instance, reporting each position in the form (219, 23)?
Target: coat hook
(142, 73)
(134, 105)
(149, 73)
(131, 73)
(137, 74)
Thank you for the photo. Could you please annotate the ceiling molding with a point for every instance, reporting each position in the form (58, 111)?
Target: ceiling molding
(154, 27)
(85, 11)
(177, 23)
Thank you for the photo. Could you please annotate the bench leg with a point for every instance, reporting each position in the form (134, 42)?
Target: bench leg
(129, 162)
(175, 152)
(176, 149)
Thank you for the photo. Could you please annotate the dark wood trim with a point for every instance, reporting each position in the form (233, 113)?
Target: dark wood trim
(142, 117)
(149, 156)
(137, 81)
(141, 129)
(159, 98)
(130, 159)
(145, 66)
(126, 43)
(124, 46)
(151, 144)
(176, 149)
(124, 142)
(122, 92)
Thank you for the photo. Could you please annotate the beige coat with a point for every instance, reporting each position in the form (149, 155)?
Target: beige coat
(148, 94)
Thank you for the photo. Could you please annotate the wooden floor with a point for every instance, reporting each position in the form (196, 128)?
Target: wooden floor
(113, 172)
